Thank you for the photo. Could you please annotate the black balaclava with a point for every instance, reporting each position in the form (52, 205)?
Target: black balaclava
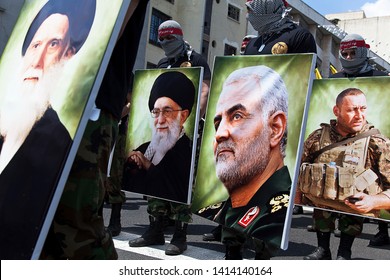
(268, 16)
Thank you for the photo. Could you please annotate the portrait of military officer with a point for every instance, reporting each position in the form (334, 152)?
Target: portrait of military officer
(345, 166)
(161, 167)
(33, 141)
(249, 149)
(345, 163)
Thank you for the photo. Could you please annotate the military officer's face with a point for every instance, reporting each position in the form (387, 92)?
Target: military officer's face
(351, 114)
(241, 144)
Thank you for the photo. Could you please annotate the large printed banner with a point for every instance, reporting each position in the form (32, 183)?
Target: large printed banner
(354, 175)
(251, 139)
(162, 133)
(50, 72)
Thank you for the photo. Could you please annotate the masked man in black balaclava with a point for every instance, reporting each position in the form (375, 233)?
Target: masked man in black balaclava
(278, 34)
(179, 53)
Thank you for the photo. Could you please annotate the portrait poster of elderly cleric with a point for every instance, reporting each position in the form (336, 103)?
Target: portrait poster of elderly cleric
(50, 72)
(346, 155)
(248, 156)
(162, 133)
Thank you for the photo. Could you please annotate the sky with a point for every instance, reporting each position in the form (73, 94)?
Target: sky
(372, 8)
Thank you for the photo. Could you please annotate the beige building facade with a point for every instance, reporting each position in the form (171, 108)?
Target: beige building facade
(217, 27)
(212, 27)
(375, 30)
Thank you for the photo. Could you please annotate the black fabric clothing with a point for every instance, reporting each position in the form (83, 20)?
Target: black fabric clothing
(169, 179)
(297, 39)
(196, 60)
(117, 79)
(271, 202)
(370, 73)
(28, 183)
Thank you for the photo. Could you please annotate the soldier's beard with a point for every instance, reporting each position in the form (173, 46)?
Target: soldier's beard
(250, 158)
(24, 104)
(162, 142)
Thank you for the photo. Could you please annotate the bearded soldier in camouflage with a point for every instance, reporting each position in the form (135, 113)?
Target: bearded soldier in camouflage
(353, 175)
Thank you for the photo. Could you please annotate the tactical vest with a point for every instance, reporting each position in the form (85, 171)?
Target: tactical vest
(338, 173)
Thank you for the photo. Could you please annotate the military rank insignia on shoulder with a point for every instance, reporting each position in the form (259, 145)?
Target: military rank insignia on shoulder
(278, 202)
(249, 216)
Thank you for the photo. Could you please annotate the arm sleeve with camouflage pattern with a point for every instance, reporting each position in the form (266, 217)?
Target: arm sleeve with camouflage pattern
(311, 145)
(379, 159)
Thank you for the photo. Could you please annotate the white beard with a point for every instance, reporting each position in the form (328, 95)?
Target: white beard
(162, 142)
(24, 104)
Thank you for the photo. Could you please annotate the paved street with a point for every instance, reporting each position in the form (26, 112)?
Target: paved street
(302, 242)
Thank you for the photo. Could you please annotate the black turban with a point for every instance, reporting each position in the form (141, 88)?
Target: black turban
(80, 14)
(176, 86)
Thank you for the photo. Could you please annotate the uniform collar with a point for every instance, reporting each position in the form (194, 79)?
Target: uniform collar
(338, 137)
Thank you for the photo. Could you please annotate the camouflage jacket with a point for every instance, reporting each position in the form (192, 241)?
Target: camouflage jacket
(378, 158)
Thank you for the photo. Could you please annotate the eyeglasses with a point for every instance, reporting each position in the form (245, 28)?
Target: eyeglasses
(167, 112)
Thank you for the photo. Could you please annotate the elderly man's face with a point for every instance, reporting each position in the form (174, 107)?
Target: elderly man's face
(351, 114)
(28, 97)
(167, 112)
(167, 124)
(49, 46)
(241, 144)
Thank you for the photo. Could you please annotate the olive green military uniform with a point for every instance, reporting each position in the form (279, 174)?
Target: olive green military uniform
(77, 230)
(175, 211)
(377, 160)
(114, 193)
(262, 219)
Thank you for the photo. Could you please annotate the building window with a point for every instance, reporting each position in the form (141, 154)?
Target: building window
(157, 18)
(229, 50)
(233, 12)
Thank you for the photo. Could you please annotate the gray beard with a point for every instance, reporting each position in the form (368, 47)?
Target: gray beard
(163, 142)
(253, 159)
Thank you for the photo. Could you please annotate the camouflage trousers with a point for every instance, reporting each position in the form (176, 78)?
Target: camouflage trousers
(324, 221)
(175, 211)
(114, 193)
(78, 231)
